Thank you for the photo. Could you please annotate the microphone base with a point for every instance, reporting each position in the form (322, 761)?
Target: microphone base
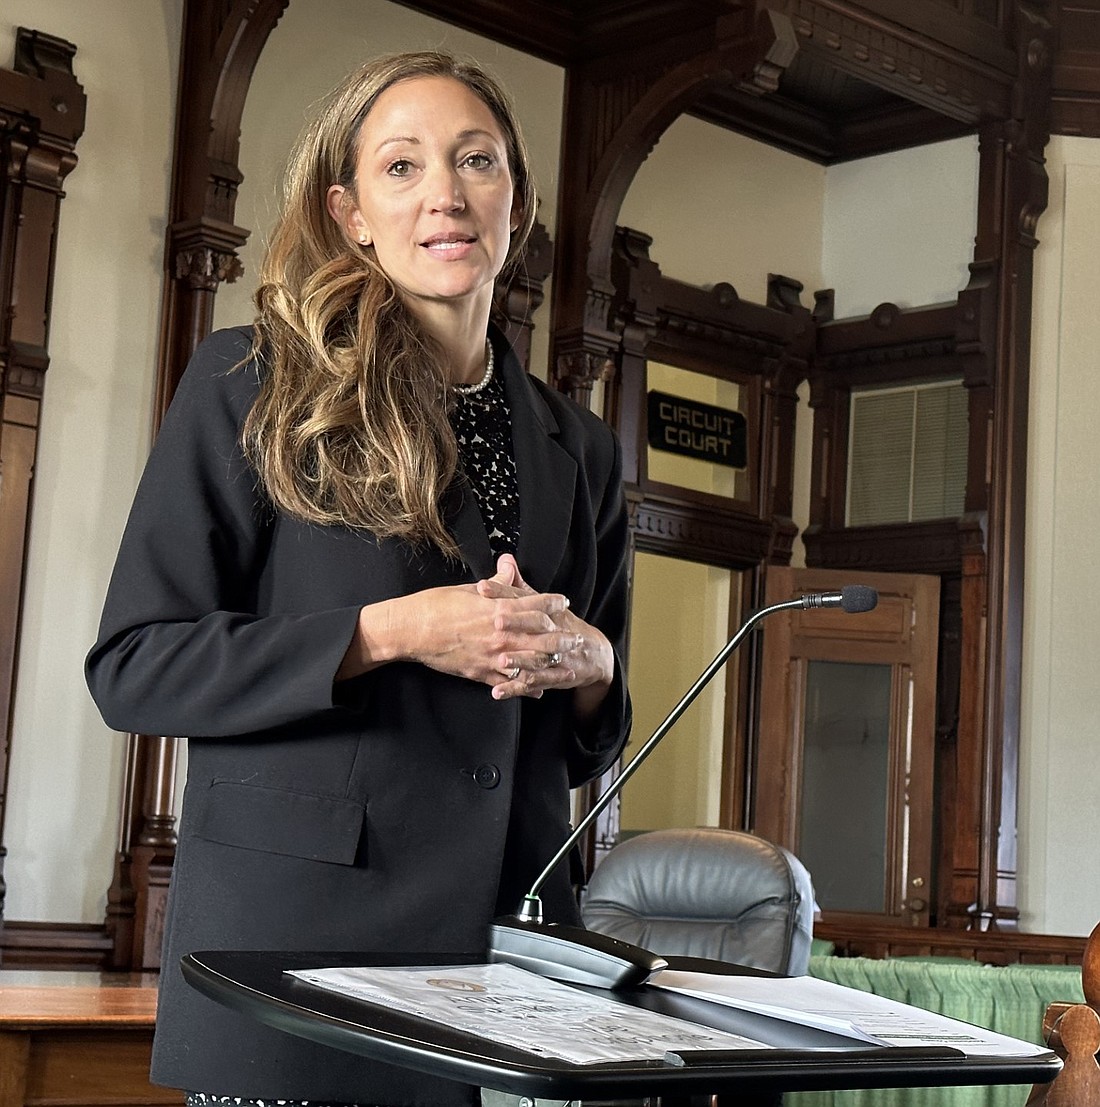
(571, 953)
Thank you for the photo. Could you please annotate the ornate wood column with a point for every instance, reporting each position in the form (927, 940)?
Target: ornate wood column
(1013, 191)
(42, 111)
(221, 43)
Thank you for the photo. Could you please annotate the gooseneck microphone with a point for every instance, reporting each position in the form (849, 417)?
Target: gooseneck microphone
(583, 956)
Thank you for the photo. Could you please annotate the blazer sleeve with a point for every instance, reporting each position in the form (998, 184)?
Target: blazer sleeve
(598, 744)
(182, 650)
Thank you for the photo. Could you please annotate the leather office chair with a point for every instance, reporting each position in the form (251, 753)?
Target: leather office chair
(706, 892)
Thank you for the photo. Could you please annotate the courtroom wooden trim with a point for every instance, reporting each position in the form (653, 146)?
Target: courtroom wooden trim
(42, 113)
(996, 948)
(43, 945)
(220, 46)
(761, 347)
(985, 339)
(1075, 81)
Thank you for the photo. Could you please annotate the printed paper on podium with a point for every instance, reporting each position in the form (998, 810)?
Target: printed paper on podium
(863, 1016)
(514, 1007)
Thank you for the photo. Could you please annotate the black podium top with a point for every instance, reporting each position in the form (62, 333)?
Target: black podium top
(803, 1058)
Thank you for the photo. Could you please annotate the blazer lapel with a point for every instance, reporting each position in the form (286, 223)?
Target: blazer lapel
(546, 474)
(466, 525)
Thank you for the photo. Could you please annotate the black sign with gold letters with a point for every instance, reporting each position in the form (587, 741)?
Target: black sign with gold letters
(693, 429)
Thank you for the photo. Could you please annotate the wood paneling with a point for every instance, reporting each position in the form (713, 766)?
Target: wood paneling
(1000, 948)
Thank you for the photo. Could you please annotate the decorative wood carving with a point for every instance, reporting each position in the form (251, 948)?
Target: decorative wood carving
(903, 53)
(977, 785)
(716, 538)
(887, 346)
(1013, 194)
(1075, 79)
(222, 40)
(518, 298)
(762, 347)
(42, 109)
(985, 338)
(614, 116)
(932, 547)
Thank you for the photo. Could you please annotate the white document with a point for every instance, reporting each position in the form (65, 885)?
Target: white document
(848, 1011)
(514, 1007)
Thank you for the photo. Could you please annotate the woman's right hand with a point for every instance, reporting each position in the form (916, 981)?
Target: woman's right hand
(457, 630)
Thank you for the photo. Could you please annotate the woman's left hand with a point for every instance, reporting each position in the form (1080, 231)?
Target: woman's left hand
(588, 667)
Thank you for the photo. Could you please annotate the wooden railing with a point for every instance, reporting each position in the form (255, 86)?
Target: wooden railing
(1000, 947)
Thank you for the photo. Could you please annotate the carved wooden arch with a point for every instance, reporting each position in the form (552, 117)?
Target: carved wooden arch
(222, 42)
(601, 157)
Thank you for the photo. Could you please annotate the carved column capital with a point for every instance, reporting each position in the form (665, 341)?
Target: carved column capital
(577, 370)
(204, 268)
(204, 253)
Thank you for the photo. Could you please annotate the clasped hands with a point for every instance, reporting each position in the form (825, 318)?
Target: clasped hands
(498, 631)
(543, 643)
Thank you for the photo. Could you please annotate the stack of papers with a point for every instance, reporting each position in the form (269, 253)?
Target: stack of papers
(846, 1011)
(517, 1008)
(514, 1007)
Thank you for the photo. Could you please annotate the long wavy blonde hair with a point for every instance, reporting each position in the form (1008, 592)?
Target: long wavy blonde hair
(350, 426)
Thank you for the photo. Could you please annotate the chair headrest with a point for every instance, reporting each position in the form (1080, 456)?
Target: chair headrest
(702, 873)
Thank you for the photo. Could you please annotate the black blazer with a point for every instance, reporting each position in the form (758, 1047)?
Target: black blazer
(397, 812)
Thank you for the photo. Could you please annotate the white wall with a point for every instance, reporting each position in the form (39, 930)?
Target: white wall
(1059, 841)
(63, 790)
(900, 227)
(722, 207)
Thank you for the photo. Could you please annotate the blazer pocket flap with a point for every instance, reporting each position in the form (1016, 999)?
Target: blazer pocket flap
(277, 820)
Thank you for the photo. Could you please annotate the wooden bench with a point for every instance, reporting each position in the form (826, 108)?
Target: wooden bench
(78, 1039)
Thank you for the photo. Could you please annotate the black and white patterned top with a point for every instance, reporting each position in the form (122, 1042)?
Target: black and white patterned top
(483, 428)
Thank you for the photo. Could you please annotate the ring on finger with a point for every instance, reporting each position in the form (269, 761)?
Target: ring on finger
(553, 659)
(513, 672)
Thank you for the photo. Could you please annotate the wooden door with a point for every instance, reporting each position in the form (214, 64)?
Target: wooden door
(845, 753)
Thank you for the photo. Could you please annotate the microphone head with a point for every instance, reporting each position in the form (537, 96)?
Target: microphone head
(858, 597)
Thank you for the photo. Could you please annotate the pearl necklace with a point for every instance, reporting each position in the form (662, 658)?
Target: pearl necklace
(473, 389)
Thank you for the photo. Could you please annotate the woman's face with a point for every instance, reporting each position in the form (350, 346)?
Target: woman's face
(433, 192)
